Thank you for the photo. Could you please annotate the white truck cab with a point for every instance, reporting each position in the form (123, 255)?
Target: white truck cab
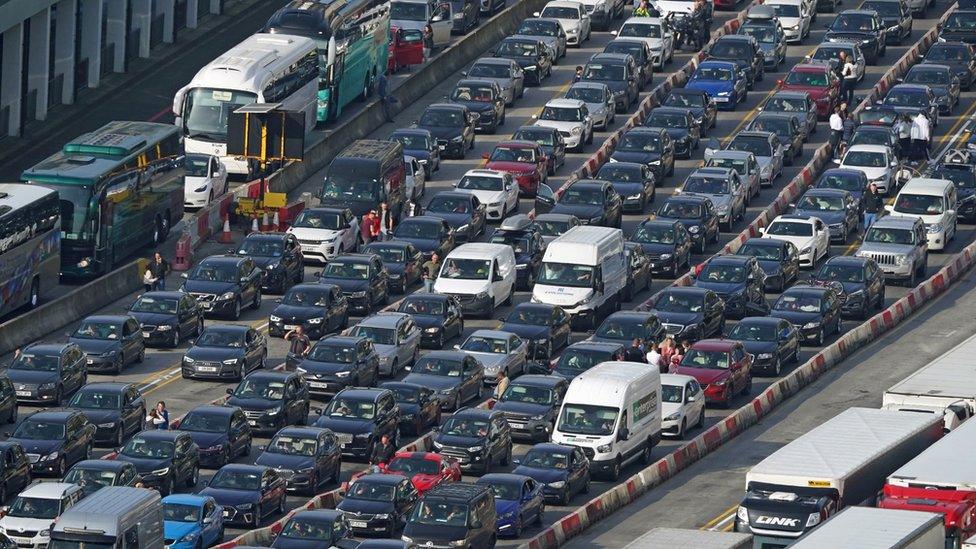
(481, 276)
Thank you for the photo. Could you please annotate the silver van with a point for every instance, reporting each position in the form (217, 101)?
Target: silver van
(116, 517)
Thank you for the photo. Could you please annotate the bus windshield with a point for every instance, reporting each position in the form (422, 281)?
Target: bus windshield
(207, 110)
(74, 210)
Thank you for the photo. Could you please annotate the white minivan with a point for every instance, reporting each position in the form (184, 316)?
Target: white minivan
(613, 412)
(481, 276)
(934, 202)
(584, 272)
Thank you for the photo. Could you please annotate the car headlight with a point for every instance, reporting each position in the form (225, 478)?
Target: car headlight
(766, 170)
(665, 256)
(432, 330)
(476, 448)
(742, 513)
(634, 197)
(572, 31)
(437, 445)
(274, 318)
(673, 417)
(382, 516)
(361, 436)
(317, 320)
(343, 374)
(481, 295)
(462, 229)
(813, 520)
(604, 448)
(577, 130)
(542, 341)
(231, 361)
(407, 540)
(901, 260)
(596, 219)
(764, 356)
(201, 188)
(539, 417)
(811, 325)
(805, 250)
(226, 296)
(106, 425)
(719, 382)
(723, 208)
(160, 472)
(272, 411)
(723, 94)
(188, 360)
(935, 228)
(52, 456)
(694, 229)
(856, 296)
(108, 353)
(214, 448)
(457, 139)
(458, 543)
(459, 16)
(189, 538)
(531, 68)
(357, 294)
(558, 485)
(164, 327)
(45, 533)
(655, 162)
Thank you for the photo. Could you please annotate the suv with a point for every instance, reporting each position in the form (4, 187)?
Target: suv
(166, 318)
(324, 233)
(523, 236)
(271, 400)
(863, 26)
(45, 373)
(32, 528)
(54, 440)
(433, 521)
(279, 255)
(899, 245)
(395, 337)
(222, 284)
(477, 438)
(359, 417)
(338, 362)
(362, 279)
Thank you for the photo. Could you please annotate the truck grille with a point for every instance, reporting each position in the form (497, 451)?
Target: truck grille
(885, 259)
(253, 415)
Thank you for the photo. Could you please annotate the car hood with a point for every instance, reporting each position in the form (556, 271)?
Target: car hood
(799, 241)
(704, 375)
(206, 440)
(459, 287)
(871, 173)
(677, 134)
(31, 377)
(95, 346)
(364, 506)
(419, 154)
(550, 41)
(228, 497)
(769, 266)
(253, 403)
(559, 125)
(635, 156)
(829, 218)
(544, 476)
(343, 425)
(321, 235)
(583, 211)
(685, 319)
(214, 353)
(154, 319)
(884, 248)
(18, 524)
(423, 244)
(570, 24)
(488, 359)
(853, 35)
(284, 461)
(657, 248)
(796, 317)
(99, 416)
(41, 447)
(314, 367)
(208, 287)
(614, 85)
(428, 321)
(385, 350)
(455, 220)
(740, 64)
(458, 441)
(298, 312)
(526, 331)
(513, 167)
(442, 132)
(627, 188)
(815, 91)
(716, 199)
(712, 87)
(756, 347)
(282, 542)
(346, 284)
(145, 465)
(476, 106)
(176, 530)
(954, 65)
(522, 408)
(721, 288)
(494, 197)
(905, 109)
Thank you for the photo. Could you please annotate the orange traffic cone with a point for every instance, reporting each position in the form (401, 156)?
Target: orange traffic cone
(225, 236)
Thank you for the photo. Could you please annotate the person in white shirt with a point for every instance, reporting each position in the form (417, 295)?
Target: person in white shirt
(848, 74)
(655, 360)
(920, 137)
(836, 123)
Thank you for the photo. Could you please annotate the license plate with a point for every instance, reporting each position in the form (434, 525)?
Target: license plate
(145, 334)
(517, 425)
(210, 369)
(23, 393)
(90, 361)
(344, 438)
(357, 524)
(442, 147)
(226, 512)
(252, 422)
(318, 385)
(290, 326)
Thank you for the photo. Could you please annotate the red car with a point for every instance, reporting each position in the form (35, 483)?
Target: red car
(424, 469)
(406, 47)
(819, 81)
(721, 366)
(525, 160)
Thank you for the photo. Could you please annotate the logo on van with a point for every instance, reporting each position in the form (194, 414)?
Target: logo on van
(777, 521)
(645, 406)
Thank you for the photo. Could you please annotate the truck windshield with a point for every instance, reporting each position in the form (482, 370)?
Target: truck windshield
(208, 109)
(586, 419)
(564, 274)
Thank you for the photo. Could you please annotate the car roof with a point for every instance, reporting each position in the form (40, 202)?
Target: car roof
(896, 222)
(160, 434)
(691, 290)
(163, 294)
(266, 236)
(670, 110)
(388, 243)
(713, 172)
(186, 499)
(715, 63)
(355, 258)
(589, 84)
(46, 349)
(811, 66)
(53, 415)
(676, 379)
(106, 386)
(302, 431)
(552, 447)
(848, 260)
(484, 332)
(595, 345)
(462, 491)
(362, 393)
(753, 133)
(565, 103)
(764, 320)
(538, 380)
(639, 316)
(688, 197)
(381, 478)
(318, 515)
(517, 144)
(49, 490)
(401, 385)
(805, 289)
(502, 478)
(427, 296)
(611, 57)
(554, 217)
(911, 87)
(446, 107)
(229, 328)
(795, 217)
(271, 374)
(687, 91)
(589, 183)
(869, 148)
(384, 320)
(819, 191)
(494, 61)
(714, 345)
(211, 409)
(107, 318)
(475, 82)
(341, 340)
(225, 259)
(473, 413)
(731, 259)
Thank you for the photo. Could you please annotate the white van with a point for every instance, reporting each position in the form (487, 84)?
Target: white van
(584, 272)
(481, 276)
(613, 412)
(934, 202)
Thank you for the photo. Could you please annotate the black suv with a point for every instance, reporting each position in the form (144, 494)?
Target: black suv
(308, 458)
(864, 27)
(593, 201)
(402, 261)
(861, 281)
(452, 125)
(319, 309)
(435, 519)
(165, 459)
(225, 351)
(45, 372)
(223, 284)
(54, 440)
(477, 438)
(439, 317)
(530, 53)
(221, 433)
(165, 318)
(271, 400)
(14, 469)
(279, 255)
(619, 72)
(547, 328)
(666, 243)
(779, 260)
(369, 514)
(419, 407)
(360, 417)
(361, 277)
(739, 281)
(116, 409)
(338, 362)
(526, 241)
(697, 214)
(744, 51)
(689, 313)
(110, 342)
(530, 405)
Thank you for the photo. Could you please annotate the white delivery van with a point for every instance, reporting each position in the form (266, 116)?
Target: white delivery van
(613, 412)
(584, 272)
(934, 202)
(481, 276)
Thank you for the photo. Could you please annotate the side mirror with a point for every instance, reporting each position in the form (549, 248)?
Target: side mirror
(229, 391)
(535, 14)
(207, 520)
(691, 398)
(837, 161)
(762, 230)
(457, 347)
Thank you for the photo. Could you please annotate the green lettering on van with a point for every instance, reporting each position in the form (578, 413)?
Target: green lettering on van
(644, 406)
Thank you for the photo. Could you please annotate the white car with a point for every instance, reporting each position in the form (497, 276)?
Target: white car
(682, 404)
(572, 16)
(30, 518)
(809, 234)
(795, 16)
(497, 190)
(654, 33)
(324, 233)
(876, 161)
(599, 101)
(416, 178)
(205, 179)
(571, 118)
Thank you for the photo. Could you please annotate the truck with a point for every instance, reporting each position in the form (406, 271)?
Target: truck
(697, 539)
(113, 517)
(841, 462)
(942, 479)
(946, 386)
(877, 529)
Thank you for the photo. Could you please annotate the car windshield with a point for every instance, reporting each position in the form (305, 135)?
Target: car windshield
(786, 10)
(449, 204)
(419, 229)
(762, 34)
(672, 393)
(179, 512)
(564, 274)
(215, 272)
(546, 459)
(89, 478)
(482, 182)
(779, 126)
(519, 243)
(640, 142)
(740, 166)
(820, 203)
(36, 429)
(769, 253)
(561, 114)
(757, 145)
(408, 11)
(221, 338)
(869, 135)
(413, 142)
(317, 530)
(831, 52)
(963, 178)
(262, 247)
(547, 227)
(36, 363)
(463, 427)
(481, 94)
(710, 360)
(560, 12)
(864, 159)
(641, 30)
(236, 480)
(906, 98)
(516, 48)
(626, 330)
(440, 513)
(505, 491)
(450, 367)
(405, 395)
(586, 419)
(513, 154)
(790, 228)
(260, 388)
(745, 331)
(544, 138)
(889, 9)
(814, 79)
(534, 27)
(379, 336)
(851, 183)
(351, 408)
(947, 52)
(961, 20)
(653, 234)
(579, 360)
(419, 306)
(388, 253)
(659, 119)
(731, 49)
(684, 100)
(889, 236)
(841, 273)
(672, 302)
(333, 352)
(139, 447)
(489, 70)
(706, 185)
(801, 303)
(678, 209)
(196, 165)
(346, 270)
(528, 394)
(146, 304)
(719, 272)
(531, 316)
(586, 94)
(448, 118)
(293, 446)
(484, 344)
(202, 422)
(579, 195)
(371, 491)
(712, 74)
(466, 269)
(307, 297)
(410, 466)
(603, 71)
(92, 399)
(312, 219)
(613, 172)
(858, 22)
(35, 508)
(919, 204)
(920, 74)
(98, 329)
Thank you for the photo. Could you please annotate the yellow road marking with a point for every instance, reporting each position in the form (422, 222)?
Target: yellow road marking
(722, 516)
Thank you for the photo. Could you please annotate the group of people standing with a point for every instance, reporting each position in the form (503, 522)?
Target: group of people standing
(665, 356)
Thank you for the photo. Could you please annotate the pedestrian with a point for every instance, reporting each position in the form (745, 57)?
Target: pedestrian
(148, 280)
(578, 75)
(386, 222)
(872, 206)
(388, 101)
(848, 81)
(161, 416)
(849, 125)
(300, 345)
(635, 353)
(382, 452)
(920, 137)
(153, 420)
(836, 128)
(642, 10)
(365, 228)
(654, 358)
(431, 268)
(374, 226)
(501, 384)
(904, 130)
(160, 269)
(667, 350)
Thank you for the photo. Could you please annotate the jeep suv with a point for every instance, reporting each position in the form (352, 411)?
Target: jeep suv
(477, 438)
(456, 513)
(899, 245)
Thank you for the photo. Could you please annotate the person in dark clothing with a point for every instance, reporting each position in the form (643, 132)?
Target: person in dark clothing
(579, 74)
(387, 100)
(872, 205)
(635, 353)
(159, 268)
(382, 452)
(300, 346)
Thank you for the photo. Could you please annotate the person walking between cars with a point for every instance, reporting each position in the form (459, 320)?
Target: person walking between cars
(501, 384)
(920, 138)
(158, 417)
(386, 222)
(369, 229)
(848, 73)
(903, 128)
(872, 206)
(836, 129)
(655, 360)
(635, 353)
(578, 75)
(431, 268)
(642, 10)
(382, 452)
(159, 268)
(849, 125)
(300, 345)
(387, 100)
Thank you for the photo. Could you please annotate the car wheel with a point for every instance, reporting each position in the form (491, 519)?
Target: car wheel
(256, 521)
(118, 363)
(566, 496)
(176, 339)
(120, 435)
(256, 303)
(777, 366)
(701, 419)
(141, 356)
(820, 337)
(615, 470)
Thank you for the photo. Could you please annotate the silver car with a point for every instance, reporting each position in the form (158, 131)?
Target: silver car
(768, 150)
(899, 245)
(599, 100)
(744, 163)
(724, 188)
(505, 72)
(799, 104)
(547, 30)
(395, 337)
(497, 351)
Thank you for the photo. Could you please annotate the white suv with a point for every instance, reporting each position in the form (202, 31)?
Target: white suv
(326, 232)
(29, 519)
(571, 118)
(497, 190)
(809, 234)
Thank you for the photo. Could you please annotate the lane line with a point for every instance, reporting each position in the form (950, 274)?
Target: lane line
(720, 517)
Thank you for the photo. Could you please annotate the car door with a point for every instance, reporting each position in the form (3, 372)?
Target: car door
(18, 470)
(822, 236)
(412, 340)
(473, 374)
(441, 23)
(516, 354)
(545, 199)
(338, 309)
(389, 416)
(740, 370)
(186, 314)
(240, 431)
(270, 492)
(292, 257)
(212, 523)
(329, 456)
(295, 396)
(132, 410)
(714, 307)
(577, 470)
(496, 441)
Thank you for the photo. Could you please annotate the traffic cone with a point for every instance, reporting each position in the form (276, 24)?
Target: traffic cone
(225, 236)
(264, 222)
(254, 225)
(276, 222)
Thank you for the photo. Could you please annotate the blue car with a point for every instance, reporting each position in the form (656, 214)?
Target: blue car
(563, 471)
(721, 81)
(248, 493)
(518, 501)
(420, 144)
(191, 521)
(852, 181)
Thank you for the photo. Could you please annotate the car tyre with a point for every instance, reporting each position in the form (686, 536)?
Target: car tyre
(256, 521)
(236, 314)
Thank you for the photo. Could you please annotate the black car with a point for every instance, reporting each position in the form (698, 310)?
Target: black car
(271, 400)
(964, 178)
(593, 201)
(771, 342)
(550, 141)
(15, 469)
(701, 105)
(861, 26)
(94, 474)
(681, 126)
(402, 261)
(527, 244)
(583, 355)
(739, 281)
(278, 255)
(378, 504)
(545, 327)
(483, 97)
(428, 234)
(469, 12)
(464, 213)
(862, 280)
(625, 326)
(360, 417)
(225, 351)
(165, 459)
(116, 409)
(651, 147)
(744, 51)
(308, 458)
(44, 373)
(895, 15)
(420, 144)
(110, 342)
(912, 99)
(638, 272)
(439, 317)
(688, 312)
(957, 56)
(8, 400)
(361, 277)
(814, 310)
(166, 318)
(477, 438)
(220, 432)
(642, 54)
(223, 284)
(697, 214)
(563, 471)
(959, 27)
(315, 528)
(768, 32)
(530, 53)
(778, 259)
(419, 407)
(454, 376)
(531, 403)
(338, 362)
(319, 309)
(437, 518)
(452, 125)
(790, 131)
(619, 72)
(940, 79)
(852, 181)
(666, 243)
(835, 207)
(54, 440)
(248, 493)
(634, 182)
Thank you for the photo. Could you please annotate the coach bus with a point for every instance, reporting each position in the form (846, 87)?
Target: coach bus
(352, 38)
(120, 190)
(30, 245)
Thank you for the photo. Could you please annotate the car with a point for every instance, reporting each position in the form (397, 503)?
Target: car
(798, 105)
(401, 259)
(248, 493)
(721, 81)
(546, 328)
(361, 277)
(466, 14)
(497, 351)
(701, 105)
(551, 225)
(415, 179)
(27, 522)
(639, 274)
(571, 118)
(878, 115)
(744, 164)
(652, 147)
(877, 134)
(852, 181)
(572, 16)
(524, 160)
(633, 181)
(876, 161)
(453, 125)
(191, 521)
(791, 133)
(382, 544)
(419, 407)
(278, 255)
(110, 342)
(205, 179)
(642, 54)
(531, 54)
(340, 361)
(166, 318)
(688, 312)
(547, 30)
(45, 373)
(599, 101)
(963, 175)
(223, 284)
(220, 432)
(681, 126)
(912, 99)
(815, 311)
(817, 79)
(723, 187)
(165, 459)
(829, 53)
(682, 405)
(795, 16)
(809, 234)
(864, 26)
(654, 32)
(424, 469)
(835, 207)
(405, 48)
(378, 504)
(563, 471)
(955, 55)
(744, 52)
(592, 201)
(666, 243)
(394, 336)
(472, 521)
(271, 400)
(308, 458)
(420, 144)
(896, 17)
(15, 472)
(484, 97)
(766, 29)
(518, 501)
(311, 528)
(861, 284)
(767, 148)
(696, 213)
(552, 143)
(531, 403)
(778, 259)
(497, 189)
(54, 440)
(738, 280)
(899, 245)
(518, 232)
(476, 438)
(326, 232)
(225, 351)
(581, 356)
(319, 309)
(465, 214)
(722, 367)
(94, 474)
(360, 417)
(117, 409)
(456, 377)
(439, 317)
(427, 235)
(504, 72)
(957, 27)
(771, 341)
(619, 72)
(625, 326)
